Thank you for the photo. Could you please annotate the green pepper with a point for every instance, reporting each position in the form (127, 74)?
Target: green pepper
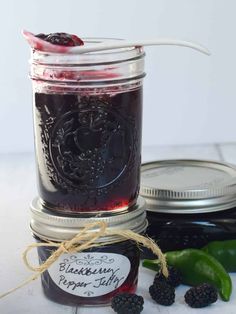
(224, 252)
(197, 267)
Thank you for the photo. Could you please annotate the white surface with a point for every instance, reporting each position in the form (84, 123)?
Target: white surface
(188, 98)
(17, 186)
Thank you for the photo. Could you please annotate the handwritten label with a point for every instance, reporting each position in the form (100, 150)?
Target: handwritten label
(90, 274)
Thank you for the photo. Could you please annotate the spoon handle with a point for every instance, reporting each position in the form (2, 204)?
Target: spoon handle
(139, 43)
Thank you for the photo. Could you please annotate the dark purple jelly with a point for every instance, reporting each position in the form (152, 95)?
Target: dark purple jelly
(180, 231)
(52, 291)
(88, 149)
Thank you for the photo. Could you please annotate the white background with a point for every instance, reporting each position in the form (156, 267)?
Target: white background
(189, 98)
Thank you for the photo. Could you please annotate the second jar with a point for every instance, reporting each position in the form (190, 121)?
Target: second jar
(95, 275)
(88, 123)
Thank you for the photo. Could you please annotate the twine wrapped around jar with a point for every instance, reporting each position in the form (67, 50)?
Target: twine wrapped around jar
(85, 239)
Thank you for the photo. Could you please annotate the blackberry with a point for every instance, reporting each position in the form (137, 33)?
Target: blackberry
(201, 296)
(174, 279)
(162, 293)
(127, 303)
(62, 39)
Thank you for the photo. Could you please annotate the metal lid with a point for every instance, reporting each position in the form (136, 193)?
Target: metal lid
(188, 186)
(52, 226)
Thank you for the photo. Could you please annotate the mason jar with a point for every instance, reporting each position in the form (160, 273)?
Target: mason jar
(87, 112)
(95, 275)
(189, 202)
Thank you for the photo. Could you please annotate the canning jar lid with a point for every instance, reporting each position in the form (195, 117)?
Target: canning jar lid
(188, 186)
(57, 227)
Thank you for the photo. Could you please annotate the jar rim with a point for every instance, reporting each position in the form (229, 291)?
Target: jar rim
(111, 56)
(60, 227)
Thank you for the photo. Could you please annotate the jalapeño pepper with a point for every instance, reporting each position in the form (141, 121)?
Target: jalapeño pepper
(197, 267)
(224, 252)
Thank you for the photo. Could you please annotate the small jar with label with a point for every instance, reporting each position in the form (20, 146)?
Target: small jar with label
(94, 276)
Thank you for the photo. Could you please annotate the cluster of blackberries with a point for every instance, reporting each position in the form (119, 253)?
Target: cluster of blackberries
(163, 292)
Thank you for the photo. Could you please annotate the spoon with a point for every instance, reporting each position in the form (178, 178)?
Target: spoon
(43, 45)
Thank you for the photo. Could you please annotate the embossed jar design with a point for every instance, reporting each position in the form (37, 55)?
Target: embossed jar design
(88, 123)
(94, 276)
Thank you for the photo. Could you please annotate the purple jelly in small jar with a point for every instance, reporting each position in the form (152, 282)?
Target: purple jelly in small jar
(94, 276)
(87, 124)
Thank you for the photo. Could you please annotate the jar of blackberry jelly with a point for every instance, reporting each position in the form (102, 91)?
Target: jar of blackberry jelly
(189, 202)
(87, 125)
(94, 276)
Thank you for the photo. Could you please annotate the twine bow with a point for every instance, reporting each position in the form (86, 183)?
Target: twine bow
(85, 239)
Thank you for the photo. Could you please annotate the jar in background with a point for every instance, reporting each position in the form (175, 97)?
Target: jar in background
(94, 276)
(87, 125)
(189, 202)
